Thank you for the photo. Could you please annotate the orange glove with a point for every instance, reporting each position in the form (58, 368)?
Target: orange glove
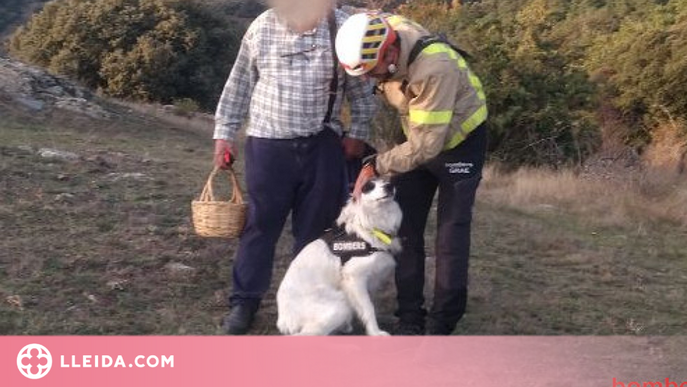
(367, 173)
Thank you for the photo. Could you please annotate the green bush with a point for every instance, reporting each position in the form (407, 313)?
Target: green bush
(540, 107)
(644, 62)
(149, 50)
(553, 69)
(186, 107)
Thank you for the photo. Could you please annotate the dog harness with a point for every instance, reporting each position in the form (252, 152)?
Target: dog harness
(347, 246)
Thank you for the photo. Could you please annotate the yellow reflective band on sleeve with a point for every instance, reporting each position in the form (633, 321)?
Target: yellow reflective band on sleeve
(475, 120)
(424, 117)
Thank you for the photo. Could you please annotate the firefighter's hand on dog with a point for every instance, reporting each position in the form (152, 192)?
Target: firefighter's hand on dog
(366, 174)
(225, 154)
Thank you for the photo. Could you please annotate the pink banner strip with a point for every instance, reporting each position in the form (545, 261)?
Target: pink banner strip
(342, 361)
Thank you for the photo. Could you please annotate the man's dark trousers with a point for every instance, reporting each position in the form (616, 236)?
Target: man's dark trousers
(456, 173)
(304, 176)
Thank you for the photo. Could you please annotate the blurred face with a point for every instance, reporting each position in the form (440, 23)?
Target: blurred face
(301, 15)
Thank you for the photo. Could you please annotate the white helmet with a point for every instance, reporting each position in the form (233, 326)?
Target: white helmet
(362, 41)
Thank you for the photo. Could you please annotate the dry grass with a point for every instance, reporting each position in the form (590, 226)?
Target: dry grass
(559, 253)
(668, 148)
(171, 115)
(84, 253)
(653, 195)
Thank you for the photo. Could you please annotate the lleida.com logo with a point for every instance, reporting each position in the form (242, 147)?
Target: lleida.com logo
(34, 361)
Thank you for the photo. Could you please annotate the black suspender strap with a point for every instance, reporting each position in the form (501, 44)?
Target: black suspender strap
(334, 85)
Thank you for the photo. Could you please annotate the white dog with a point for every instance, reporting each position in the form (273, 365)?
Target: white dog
(331, 278)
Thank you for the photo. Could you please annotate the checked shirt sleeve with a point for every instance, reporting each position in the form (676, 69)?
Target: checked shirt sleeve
(234, 103)
(363, 106)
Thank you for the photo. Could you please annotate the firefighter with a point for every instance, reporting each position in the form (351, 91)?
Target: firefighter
(443, 110)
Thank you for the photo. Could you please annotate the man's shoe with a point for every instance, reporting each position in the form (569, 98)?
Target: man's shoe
(239, 319)
(404, 328)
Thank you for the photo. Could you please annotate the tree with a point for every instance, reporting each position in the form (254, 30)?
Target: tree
(540, 107)
(643, 66)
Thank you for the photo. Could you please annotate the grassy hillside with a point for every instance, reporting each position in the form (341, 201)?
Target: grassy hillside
(102, 244)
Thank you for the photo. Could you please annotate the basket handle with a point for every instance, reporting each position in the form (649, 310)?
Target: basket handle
(208, 194)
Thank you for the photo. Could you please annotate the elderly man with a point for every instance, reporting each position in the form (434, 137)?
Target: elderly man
(286, 84)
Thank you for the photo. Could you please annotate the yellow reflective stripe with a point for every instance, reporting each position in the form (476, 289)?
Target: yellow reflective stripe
(443, 48)
(477, 85)
(475, 120)
(462, 63)
(424, 117)
(457, 139)
(370, 51)
(439, 48)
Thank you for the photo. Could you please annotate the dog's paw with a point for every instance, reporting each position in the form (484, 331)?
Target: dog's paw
(379, 333)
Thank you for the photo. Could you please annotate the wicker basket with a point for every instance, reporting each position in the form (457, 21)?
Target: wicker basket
(219, 219)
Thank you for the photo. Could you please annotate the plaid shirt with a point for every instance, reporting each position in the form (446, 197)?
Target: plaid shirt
(281, 81)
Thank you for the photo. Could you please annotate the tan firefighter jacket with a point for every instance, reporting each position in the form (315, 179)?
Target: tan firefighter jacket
(439, 99)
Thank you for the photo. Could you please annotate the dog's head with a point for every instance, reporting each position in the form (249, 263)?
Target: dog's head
(376, 191)
(376, 209)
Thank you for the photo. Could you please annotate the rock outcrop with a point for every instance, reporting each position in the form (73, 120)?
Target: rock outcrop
(36, 90)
